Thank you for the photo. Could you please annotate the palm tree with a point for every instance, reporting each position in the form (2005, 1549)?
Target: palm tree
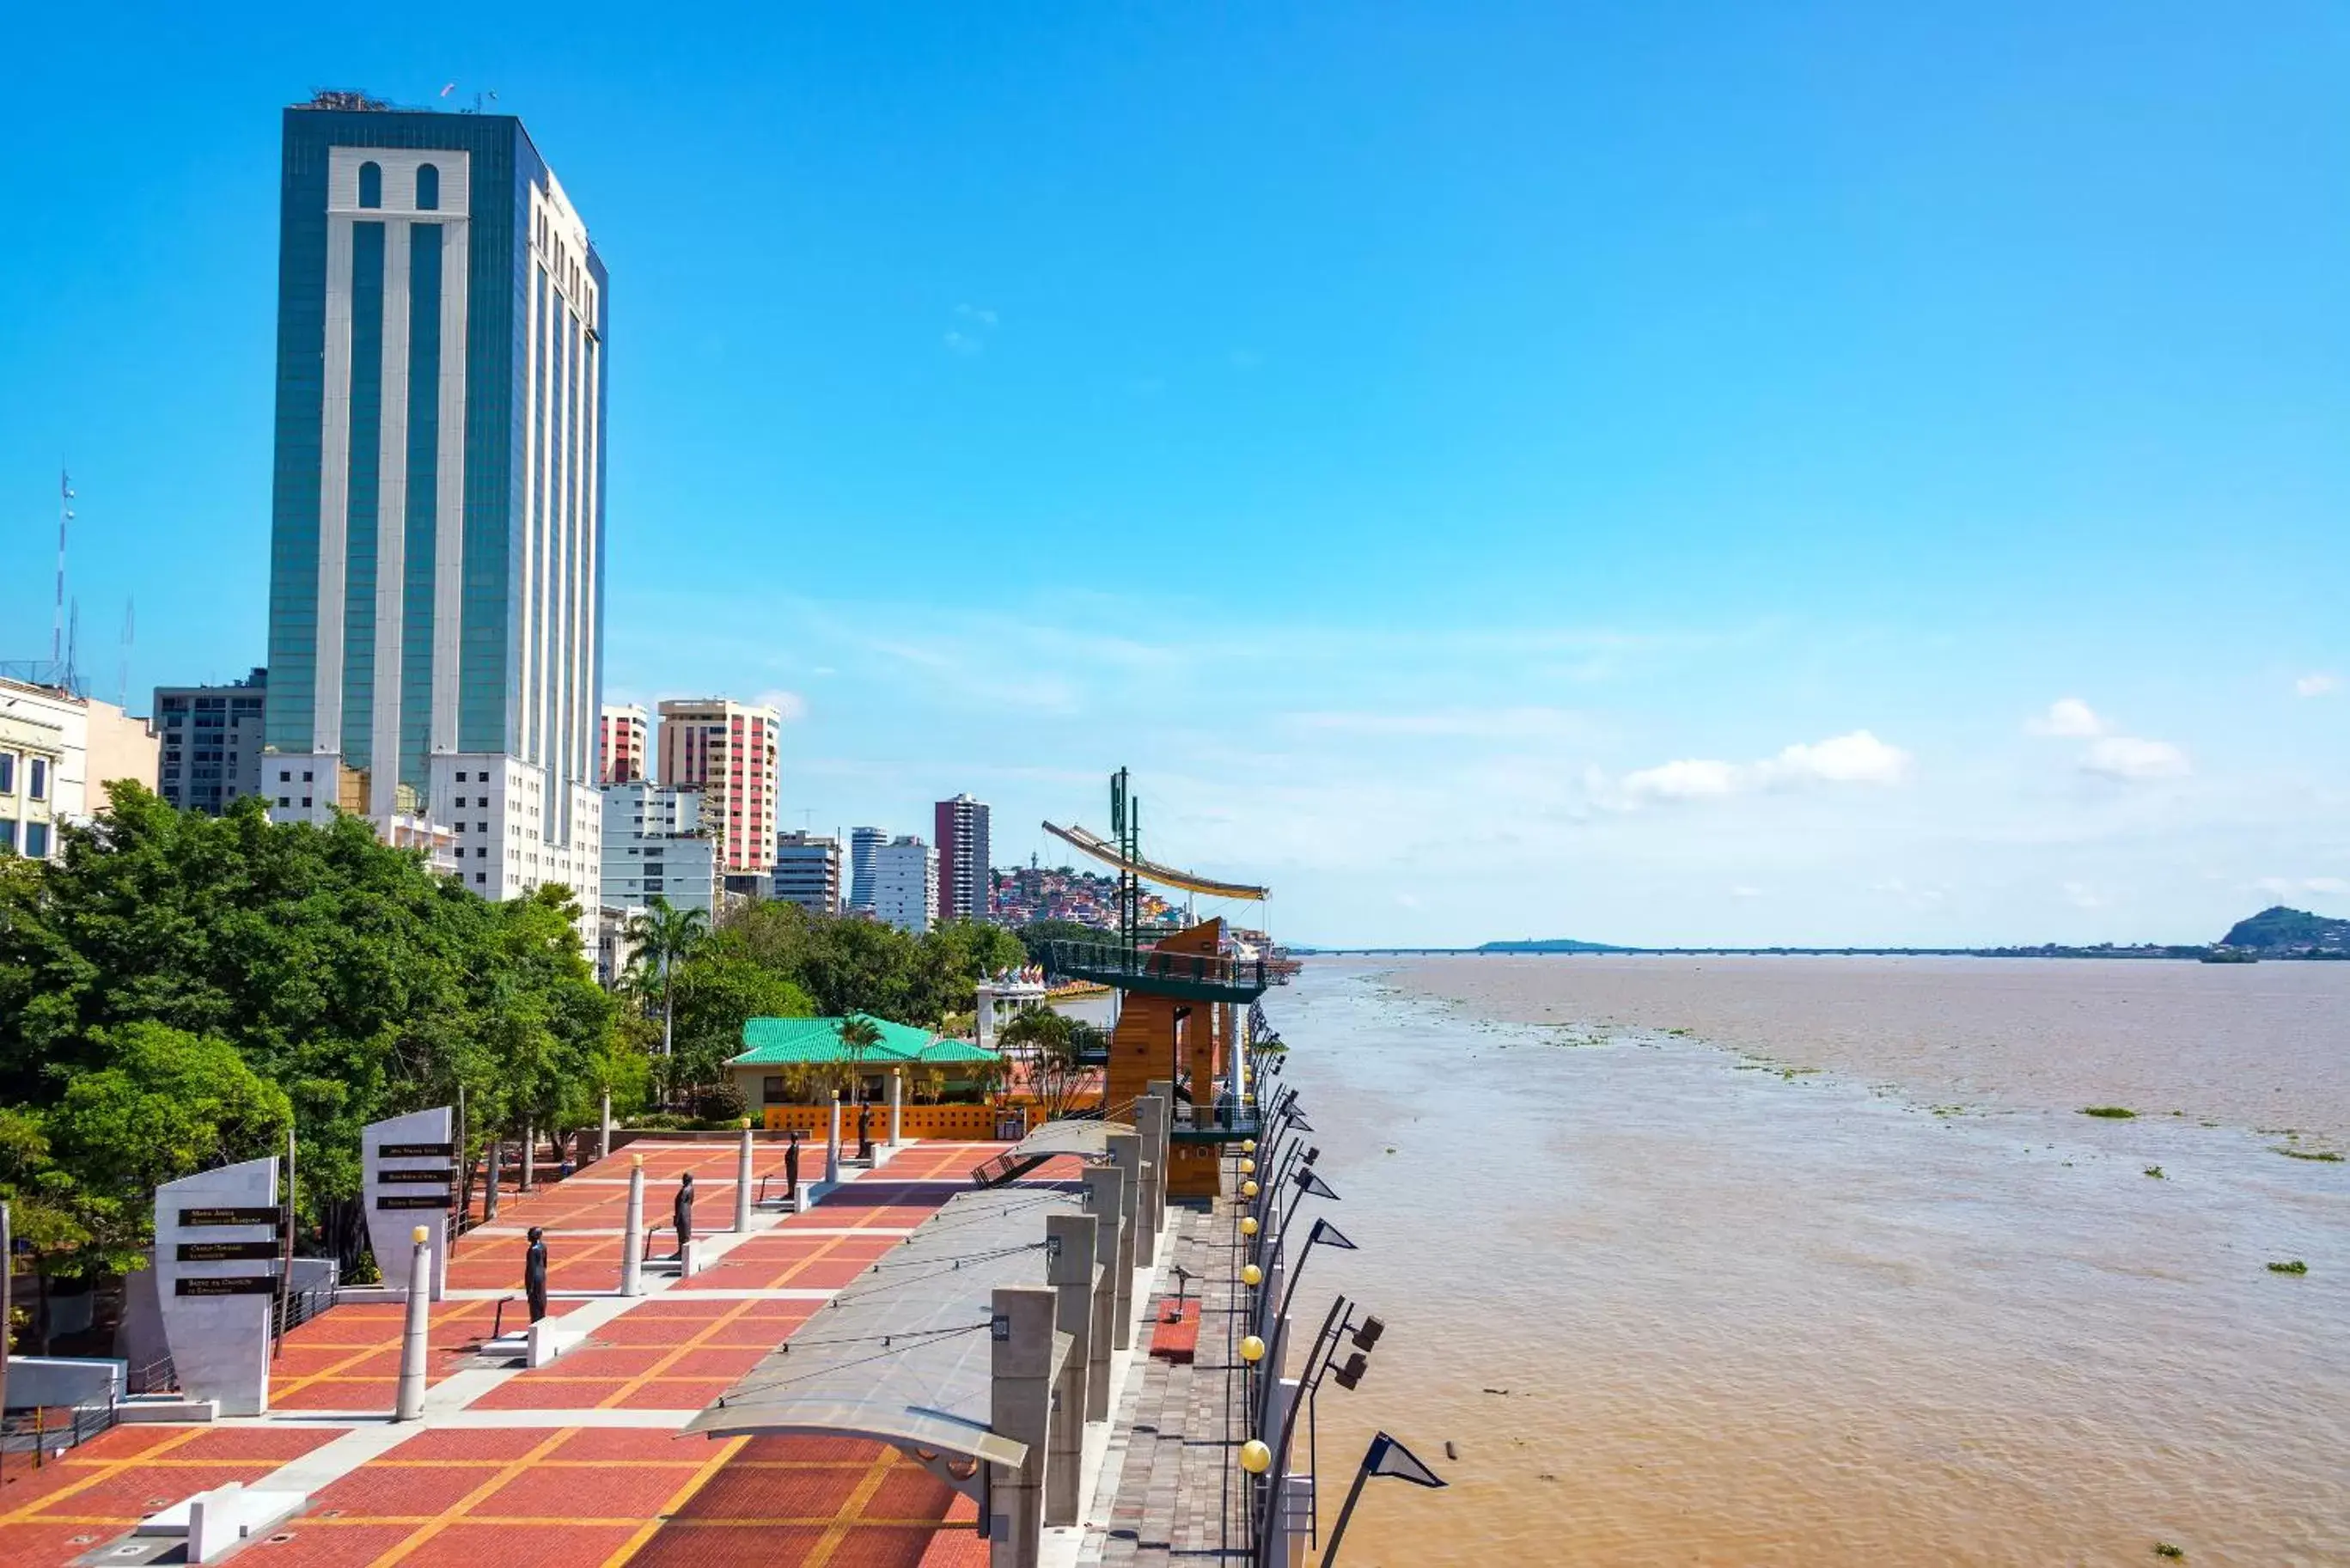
(664, 937)
(858, 1034)
(1046, 1044)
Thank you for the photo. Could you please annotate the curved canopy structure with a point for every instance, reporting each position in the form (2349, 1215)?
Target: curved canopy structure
(1102, 849)
(902, 1356)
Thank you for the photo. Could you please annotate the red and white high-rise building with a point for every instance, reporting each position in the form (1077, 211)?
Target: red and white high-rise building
(621, 745)
(727, 751)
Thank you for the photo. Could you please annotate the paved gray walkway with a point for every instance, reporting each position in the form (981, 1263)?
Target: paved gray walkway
(1180, 1493)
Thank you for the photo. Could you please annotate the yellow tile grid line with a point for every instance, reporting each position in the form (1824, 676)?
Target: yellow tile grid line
(464, 1504)
(671, 1359)
(850, 1514)
(635, 1543)
(105, 1471)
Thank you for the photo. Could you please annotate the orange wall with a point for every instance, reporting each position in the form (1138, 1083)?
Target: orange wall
(968, 1124)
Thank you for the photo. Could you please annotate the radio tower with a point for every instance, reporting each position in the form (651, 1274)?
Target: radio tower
(65, 516)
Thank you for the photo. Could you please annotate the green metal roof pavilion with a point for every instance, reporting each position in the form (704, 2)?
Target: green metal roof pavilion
(815, 1042)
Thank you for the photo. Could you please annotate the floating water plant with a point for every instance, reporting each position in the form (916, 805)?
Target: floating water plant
(2326, 1155)
(2155, 1171)
(2165, 1549)
(2291, 1266)
(2114, 1113)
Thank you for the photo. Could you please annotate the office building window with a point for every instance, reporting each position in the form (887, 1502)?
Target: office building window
(7, 773)
(481, 876)
(38, 779)
(284, 801)
(36, 839)
(370, 184)
(7, 838)
(427, 188)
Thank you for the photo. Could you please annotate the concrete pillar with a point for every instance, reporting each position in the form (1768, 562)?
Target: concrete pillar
(1020, 1402)
(1126, 1156)
(604, 1129)
(529, 1155)
(416, 1336)
(1150, 1204)
(832, 1143)
(632, 1232)
(1069, 1270)
(897, 1106)
(743, 1183)
(1101, 1184)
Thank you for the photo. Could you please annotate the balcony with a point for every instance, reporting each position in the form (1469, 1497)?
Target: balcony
(1193, 977)
(1226, 1121)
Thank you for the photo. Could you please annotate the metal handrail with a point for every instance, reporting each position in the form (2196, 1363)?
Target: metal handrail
(1203, 969)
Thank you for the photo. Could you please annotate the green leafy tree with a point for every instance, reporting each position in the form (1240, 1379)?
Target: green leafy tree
(664, 938)
(341, 970)
(169, 1105)
(1044, 1043)
(858, 1036)
(717, 993)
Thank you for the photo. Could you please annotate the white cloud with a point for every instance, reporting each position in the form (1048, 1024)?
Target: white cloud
(2081, 896)
(2129, 757)
(1691, 779)
(975, 313)
(1743, 891)
(790, 704)
(2317, 684)
(2068, 716)
(1857, 758)
(964, 343)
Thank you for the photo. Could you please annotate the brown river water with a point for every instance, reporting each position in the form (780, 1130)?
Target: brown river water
(1838, 1273)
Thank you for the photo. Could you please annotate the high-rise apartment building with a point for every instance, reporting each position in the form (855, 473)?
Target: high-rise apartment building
(808, 872)
(727, 751)
(864, 843)
(621, 752)
(654, 846)
(211, 738)
(906, 884)
(962, 825)
(436, 599)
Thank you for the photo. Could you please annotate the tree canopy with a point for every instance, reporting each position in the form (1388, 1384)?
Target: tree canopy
(273, 972)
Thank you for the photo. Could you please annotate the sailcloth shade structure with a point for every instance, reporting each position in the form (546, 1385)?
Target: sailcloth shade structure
(903, 1354)
(1102, 849)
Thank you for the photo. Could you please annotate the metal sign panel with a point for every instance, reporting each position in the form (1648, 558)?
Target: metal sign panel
(436, 1201)
(443, 1178)
(226, 1252)
(269, 1217)
(226, 1285)
(415, 1150)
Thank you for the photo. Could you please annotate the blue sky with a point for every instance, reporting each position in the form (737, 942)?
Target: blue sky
(1491, 471)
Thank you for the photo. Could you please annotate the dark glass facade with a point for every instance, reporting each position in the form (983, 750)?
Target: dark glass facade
(499, 269)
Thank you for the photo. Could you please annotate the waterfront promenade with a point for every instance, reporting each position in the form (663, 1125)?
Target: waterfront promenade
(575, 1464)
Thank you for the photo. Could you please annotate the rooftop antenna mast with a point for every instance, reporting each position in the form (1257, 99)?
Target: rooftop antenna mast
(1126, 826)
(65, 517)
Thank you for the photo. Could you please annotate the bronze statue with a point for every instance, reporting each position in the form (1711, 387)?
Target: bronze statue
(683, 1211)
(533, 1274)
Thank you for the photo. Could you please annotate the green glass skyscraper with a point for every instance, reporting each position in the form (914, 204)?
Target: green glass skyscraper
(437, 545)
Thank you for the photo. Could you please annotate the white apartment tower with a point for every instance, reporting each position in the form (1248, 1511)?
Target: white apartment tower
(906, 884)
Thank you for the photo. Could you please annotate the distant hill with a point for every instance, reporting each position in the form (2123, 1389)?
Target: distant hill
(1547, 945)
(2281, 930)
